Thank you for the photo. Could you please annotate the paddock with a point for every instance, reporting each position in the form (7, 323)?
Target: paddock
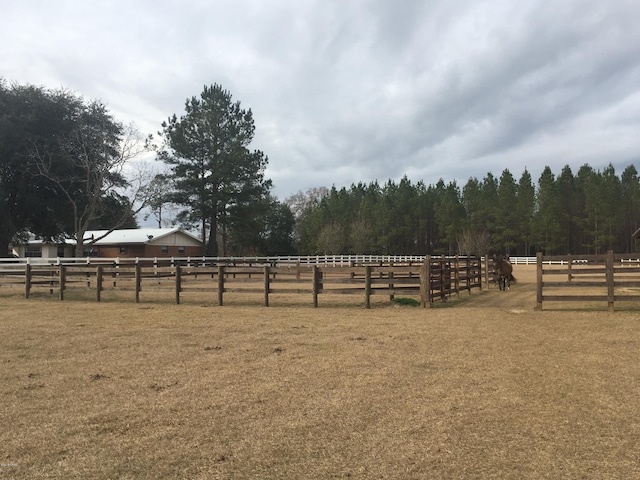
(426, 279)
(481, 387)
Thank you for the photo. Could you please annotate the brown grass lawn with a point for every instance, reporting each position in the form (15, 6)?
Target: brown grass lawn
(482, 387)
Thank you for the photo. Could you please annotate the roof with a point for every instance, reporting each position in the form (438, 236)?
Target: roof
(134, 235)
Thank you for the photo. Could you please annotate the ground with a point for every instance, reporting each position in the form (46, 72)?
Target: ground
(480, 387)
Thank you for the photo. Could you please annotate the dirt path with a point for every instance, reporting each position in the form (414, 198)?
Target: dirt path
(521, 295)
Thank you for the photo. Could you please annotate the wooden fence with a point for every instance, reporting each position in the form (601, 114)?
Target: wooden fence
(602, 278)
(433, 279)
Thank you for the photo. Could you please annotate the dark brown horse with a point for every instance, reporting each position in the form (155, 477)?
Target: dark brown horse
(502, 272)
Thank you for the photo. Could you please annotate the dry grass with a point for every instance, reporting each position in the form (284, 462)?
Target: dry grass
(487, 388)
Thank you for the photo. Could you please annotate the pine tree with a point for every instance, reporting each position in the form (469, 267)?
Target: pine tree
(213, 169)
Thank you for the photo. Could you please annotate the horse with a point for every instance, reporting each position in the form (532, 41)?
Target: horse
(502, 272)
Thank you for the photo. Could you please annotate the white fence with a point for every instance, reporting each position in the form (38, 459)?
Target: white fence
(320, 260)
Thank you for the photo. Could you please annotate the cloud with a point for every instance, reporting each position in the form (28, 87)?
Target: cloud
(367, 90)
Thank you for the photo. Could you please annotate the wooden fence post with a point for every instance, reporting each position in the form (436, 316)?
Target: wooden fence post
(468, 275)
(483, 275)
(391, 285)
(178, 286)
(220, 283)
(367, 286)
(486, 270)
(315, 278)
(443, 279)
(425, 280)
(610, 283)
(569, 264)
(538, 281)
(98, 282)
(115, 271)
(456, 273)
(61, 280)
(27, 280)
(266, 285)
(138, 281)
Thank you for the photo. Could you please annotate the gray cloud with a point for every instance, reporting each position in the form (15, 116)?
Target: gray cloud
(359, 91)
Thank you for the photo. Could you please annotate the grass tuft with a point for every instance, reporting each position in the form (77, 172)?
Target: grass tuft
(410, 302)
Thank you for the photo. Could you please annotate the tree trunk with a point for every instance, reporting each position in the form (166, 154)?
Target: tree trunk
(79, 251)
(212, 243)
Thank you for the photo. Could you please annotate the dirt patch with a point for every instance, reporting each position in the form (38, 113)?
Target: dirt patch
(486, 389)
(520, 297)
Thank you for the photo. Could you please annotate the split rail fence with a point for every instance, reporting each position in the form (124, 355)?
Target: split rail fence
(431, 279)
(609, 278)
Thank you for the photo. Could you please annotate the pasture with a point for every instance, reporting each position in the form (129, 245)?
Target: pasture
(479, 387)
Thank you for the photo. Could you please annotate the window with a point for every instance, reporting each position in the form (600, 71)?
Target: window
(33, 251)
(164, 249)
(60, 252)
(181, 250)
(122, 250)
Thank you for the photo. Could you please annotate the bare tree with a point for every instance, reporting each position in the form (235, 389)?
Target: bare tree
(159, 194)
(361, 236)
(474, 242)
(86, 166)
(301, 201)
(331, 239)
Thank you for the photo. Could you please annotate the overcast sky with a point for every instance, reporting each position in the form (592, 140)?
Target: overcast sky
(344, 91)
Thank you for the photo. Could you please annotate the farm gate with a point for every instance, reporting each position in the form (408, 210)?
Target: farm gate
(602, 278)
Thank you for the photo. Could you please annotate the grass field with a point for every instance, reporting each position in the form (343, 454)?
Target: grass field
(481, 387)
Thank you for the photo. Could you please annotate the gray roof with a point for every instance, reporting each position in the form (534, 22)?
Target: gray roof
(133, 235)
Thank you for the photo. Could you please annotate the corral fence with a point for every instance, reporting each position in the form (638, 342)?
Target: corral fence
(602, 278)
(430, 278)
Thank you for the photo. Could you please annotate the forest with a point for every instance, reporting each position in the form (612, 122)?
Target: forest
(590, 211)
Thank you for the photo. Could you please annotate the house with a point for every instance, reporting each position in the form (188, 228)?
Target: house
(128, 243)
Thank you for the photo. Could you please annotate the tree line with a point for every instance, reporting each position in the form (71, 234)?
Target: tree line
(587, 212)
(66, 168)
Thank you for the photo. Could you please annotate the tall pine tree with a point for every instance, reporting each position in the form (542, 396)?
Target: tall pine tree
(215, 174)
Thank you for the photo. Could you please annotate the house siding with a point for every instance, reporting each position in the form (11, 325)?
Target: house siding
(113, 251)
(176, 239)
(189, 251)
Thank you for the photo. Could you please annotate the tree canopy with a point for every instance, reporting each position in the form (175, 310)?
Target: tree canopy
(216, 178)
(61, 161)
(590, 212)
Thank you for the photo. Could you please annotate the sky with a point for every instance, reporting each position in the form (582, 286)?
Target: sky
(348, 91)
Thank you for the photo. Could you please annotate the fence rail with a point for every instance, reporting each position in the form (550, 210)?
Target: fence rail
(324, 260)
(603, 278)
(431, 279)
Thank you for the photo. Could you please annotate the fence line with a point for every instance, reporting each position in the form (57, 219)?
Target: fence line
(603, 278)
(324, 260)
(432, 279)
